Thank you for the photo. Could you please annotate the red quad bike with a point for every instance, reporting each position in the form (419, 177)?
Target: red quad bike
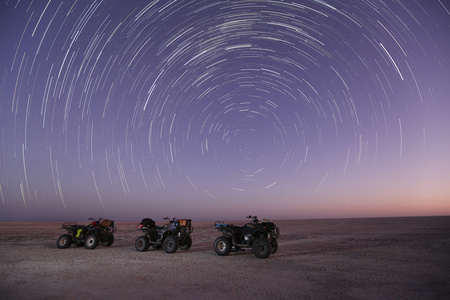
(100, 231)
(170, 237)
(261, 237)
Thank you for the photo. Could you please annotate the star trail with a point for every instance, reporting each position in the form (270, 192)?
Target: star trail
(287, 109)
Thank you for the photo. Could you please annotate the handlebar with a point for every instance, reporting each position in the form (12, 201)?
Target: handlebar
(254, 218)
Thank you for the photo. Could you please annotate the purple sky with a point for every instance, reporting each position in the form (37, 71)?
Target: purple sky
(220, 109)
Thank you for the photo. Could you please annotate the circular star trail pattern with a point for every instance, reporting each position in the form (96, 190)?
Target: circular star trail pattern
(214, 103)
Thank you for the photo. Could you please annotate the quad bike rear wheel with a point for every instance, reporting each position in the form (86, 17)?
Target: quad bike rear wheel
(261, 248)
(91, 241)
(187, 243)
(142, 243)
(170, 244)
(222, 246)
(64, 241)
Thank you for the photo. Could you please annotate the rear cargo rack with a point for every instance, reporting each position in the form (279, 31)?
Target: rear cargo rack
(219, 224)
(184, 222)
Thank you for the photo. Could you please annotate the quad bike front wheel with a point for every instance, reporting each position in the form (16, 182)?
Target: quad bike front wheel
(108, 241)
(274, 246)
(187, 243)
(170, 244)
(261, 248)
(222, 246)
(142, 244)
(91, 241)
(64, 241)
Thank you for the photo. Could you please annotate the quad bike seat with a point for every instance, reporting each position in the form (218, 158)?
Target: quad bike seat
(80, 226)
(72, 225)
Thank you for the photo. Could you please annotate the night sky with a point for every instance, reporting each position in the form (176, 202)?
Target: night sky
(220, 109)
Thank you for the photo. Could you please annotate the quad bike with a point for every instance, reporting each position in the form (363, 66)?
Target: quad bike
(170, 236)
(100, 231)
(261, 237)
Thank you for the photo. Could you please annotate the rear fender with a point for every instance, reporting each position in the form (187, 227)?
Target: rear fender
(231, 234)
(227, 231)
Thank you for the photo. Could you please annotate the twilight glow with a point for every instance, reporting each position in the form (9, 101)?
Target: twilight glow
(220, 109)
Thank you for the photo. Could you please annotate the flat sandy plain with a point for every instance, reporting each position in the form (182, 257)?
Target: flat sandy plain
(374, 258)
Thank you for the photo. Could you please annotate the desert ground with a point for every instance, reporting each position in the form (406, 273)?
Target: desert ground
(373, 258)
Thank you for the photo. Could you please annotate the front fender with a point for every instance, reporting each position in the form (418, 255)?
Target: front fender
(168, 232)
(259, 234)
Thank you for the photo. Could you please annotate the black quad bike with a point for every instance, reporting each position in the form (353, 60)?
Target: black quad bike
(100, 231)
(169, 236)
(261, 237)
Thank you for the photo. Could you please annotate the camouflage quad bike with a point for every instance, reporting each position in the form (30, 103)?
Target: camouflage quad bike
(90, 236)
(169, 236)
(261, 237)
